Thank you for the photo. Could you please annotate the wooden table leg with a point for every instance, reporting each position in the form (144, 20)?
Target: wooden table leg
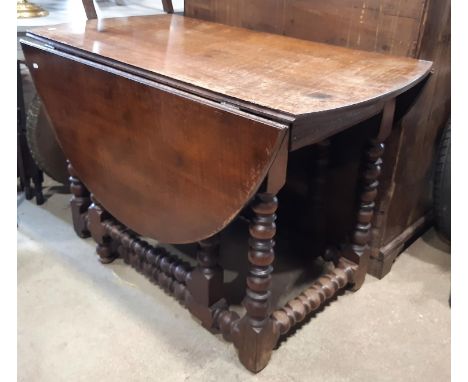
(97, 217)
(359, 251)
(257, 333)
(79, 203)
(205, 283)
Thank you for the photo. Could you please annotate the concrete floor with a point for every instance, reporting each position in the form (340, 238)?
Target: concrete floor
(81, 321)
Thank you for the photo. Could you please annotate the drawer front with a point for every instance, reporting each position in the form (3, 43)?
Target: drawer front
(167, 164)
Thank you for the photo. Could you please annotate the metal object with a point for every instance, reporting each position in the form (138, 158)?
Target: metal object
(25, 10)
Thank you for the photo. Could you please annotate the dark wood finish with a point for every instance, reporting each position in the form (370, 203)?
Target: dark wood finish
(79, 203)
(90, 9)
(156, 263)
(257, 332)
(293, 77)
(276, 176)
(359, 249)
(210, 165)
(206, 282)
(96, 218)
(227, 322)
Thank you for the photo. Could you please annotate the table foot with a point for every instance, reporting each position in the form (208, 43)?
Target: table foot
(97, 216)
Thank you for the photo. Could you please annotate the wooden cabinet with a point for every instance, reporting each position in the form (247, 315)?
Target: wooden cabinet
(413, 28)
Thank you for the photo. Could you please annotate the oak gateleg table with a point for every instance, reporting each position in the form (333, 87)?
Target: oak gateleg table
(172, 126)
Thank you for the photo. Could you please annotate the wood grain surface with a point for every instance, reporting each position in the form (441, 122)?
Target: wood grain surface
(385, 26)
(164, 163)
(288, 75)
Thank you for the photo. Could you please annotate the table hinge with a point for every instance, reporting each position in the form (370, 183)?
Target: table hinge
(230, 105)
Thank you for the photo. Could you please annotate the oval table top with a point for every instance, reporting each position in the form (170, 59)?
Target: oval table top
(131, 100)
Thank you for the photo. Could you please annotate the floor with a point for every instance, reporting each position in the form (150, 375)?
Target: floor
(81, 321)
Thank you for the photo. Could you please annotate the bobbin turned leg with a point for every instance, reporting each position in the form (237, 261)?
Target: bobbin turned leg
(257, 334)
(96, 224)
(205, 283)
(359, 251)
(79, 203)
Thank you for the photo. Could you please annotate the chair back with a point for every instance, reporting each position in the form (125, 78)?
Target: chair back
(90, 8)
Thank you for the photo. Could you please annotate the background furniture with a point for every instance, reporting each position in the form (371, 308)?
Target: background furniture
(26, 167)
(414, 28)
(43, 144)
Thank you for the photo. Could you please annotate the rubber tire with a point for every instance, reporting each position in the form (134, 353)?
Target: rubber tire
(442, 186)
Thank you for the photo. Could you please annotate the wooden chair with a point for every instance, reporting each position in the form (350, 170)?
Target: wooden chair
(90, 8)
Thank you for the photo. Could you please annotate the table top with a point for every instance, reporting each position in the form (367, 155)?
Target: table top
(281, 74)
